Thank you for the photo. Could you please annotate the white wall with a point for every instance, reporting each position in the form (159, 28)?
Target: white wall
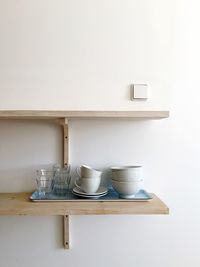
(169, 151)
(73, 55)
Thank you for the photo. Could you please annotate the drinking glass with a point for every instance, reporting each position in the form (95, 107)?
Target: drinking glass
(44, 181)
(61, 181)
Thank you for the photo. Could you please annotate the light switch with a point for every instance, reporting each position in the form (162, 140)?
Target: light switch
(140, 91)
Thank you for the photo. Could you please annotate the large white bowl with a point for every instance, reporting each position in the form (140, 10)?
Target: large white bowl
(127, 188)
(127, 173)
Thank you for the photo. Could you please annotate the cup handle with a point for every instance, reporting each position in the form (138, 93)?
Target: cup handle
(77, 184)
(78, 171)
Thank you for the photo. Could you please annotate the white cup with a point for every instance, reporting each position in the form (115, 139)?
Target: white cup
(88, 185)
(88, 172)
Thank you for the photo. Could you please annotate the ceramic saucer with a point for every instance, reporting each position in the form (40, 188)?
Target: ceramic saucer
(101, 191)
(89, 196)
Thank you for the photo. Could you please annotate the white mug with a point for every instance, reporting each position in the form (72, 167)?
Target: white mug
(88, 172)
(88, 185)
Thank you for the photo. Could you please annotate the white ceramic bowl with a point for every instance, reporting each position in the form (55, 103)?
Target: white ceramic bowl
(127, 173)
(127, 188)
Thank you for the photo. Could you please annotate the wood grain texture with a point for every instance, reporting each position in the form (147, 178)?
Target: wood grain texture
(20, 204)
(44, 114)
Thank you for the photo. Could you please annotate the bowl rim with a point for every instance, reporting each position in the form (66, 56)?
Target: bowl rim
(128, 182)
(125, 167)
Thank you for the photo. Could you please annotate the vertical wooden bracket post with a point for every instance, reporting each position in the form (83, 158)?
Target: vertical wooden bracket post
(64, 123)
(66, 231)
(65, 142)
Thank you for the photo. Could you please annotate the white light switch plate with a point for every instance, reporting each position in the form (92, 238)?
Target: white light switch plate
(140, 91)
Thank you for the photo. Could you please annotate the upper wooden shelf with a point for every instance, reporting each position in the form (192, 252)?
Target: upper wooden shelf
(44, 114)
(19, 204)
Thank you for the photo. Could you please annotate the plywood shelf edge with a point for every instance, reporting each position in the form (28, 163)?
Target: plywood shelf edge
(50, 114)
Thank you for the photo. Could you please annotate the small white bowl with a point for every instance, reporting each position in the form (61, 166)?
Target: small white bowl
(127, 173)
(127, 188)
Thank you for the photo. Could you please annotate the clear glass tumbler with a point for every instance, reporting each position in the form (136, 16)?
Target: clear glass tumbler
(44, 181)
(61, 181)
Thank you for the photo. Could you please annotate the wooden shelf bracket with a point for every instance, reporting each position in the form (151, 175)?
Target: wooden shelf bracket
(65, 163)
(66, 232)
(65, 142)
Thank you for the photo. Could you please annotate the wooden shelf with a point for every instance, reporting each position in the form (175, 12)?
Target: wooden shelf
(44, 114)
(19, 204)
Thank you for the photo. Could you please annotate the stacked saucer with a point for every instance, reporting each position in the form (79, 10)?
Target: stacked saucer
(102, 191)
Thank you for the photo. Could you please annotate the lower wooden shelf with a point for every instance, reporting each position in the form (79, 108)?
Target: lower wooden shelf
(20, 204)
